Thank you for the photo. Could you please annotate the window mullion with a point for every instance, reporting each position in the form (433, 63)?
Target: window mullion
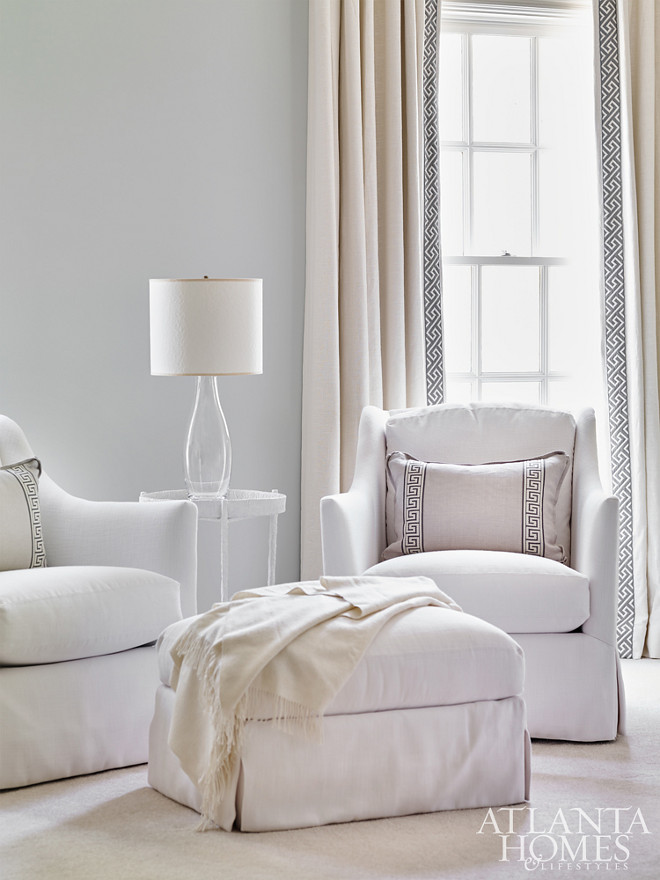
(504, 261)
(503, 147)
(534, 137)
(476, 326)
(468, 212)
(545, 331)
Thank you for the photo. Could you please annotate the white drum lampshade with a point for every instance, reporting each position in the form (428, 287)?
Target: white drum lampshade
(206, 327)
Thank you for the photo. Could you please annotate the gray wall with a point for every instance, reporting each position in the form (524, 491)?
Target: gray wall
(140, 139)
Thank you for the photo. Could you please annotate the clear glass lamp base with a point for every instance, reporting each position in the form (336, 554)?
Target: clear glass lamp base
(208, 449)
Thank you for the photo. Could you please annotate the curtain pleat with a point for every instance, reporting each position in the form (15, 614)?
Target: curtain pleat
(626, 79)
(640, 23)
(321, 377)
(364, 301)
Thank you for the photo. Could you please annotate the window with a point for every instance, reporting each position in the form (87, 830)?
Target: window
(518, 201)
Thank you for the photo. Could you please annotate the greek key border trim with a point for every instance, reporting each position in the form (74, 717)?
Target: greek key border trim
(28, 484)
(615, 311)
(533, 535)
(433, 324)
(414, 479)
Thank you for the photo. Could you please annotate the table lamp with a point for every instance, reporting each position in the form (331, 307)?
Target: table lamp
(206, 327)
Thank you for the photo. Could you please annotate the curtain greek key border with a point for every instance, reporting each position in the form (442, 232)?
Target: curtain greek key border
(435, 372)
(615, 311)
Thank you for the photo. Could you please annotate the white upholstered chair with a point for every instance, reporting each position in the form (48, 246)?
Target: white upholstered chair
(78, 667)
(563, 615)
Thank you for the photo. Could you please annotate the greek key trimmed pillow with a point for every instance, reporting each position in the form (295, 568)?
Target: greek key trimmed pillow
(506, 506)
(21, 541)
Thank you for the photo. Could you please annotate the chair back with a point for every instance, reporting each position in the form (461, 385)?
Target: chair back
(13, 443)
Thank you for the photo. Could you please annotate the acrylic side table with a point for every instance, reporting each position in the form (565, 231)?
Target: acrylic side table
(237, 504)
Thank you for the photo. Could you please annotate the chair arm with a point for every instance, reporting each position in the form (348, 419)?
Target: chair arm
(158, 537)
(595, 533)
(595, 554)
(353, 523)
(351, 531)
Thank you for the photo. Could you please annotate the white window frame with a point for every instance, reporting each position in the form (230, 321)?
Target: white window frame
(514, 18)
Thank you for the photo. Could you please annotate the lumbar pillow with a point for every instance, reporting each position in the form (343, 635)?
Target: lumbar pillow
(506, 506)
(21, 540)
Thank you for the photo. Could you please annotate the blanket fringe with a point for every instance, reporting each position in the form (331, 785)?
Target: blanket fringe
(256, 704)
(206, 824)
(287, 715)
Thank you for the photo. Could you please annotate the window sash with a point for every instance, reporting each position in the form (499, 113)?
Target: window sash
(506, 19)
(514, 16)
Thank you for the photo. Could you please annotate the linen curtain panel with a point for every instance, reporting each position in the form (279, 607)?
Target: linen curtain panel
(373, 253)
(626, 33)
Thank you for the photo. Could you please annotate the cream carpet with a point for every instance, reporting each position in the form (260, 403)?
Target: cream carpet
(112, 826)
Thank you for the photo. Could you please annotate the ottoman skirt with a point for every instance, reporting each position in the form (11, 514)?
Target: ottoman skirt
(369, 765)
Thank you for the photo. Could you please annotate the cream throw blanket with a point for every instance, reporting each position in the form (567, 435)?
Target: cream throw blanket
(279, 653)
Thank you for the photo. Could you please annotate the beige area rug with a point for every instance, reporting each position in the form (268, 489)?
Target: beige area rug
(112, 826)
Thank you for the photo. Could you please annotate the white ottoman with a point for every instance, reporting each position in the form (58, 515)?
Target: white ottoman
(431, 719)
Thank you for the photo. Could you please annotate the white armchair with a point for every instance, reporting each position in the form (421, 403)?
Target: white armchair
(78, 667)
(563, 617)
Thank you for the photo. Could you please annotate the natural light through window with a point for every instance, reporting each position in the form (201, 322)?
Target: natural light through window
(519, 210)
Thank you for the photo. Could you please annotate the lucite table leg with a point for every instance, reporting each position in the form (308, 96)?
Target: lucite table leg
(272, 546)
(272, 549)
(224, 553)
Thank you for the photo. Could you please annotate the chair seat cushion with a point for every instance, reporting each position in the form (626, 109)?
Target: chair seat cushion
(426, 657)
(518, 593)
(48, 615)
